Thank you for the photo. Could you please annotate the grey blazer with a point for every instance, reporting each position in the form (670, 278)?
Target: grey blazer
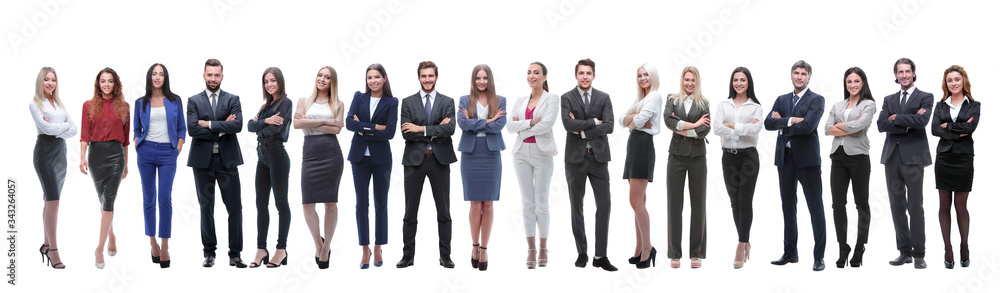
(596, 135)
(438, 136)
(681, 144)
(857, 121)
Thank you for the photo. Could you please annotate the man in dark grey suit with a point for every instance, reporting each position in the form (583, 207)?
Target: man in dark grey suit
(588, 119)
(427, 124)
(214, 117)
(905, 154)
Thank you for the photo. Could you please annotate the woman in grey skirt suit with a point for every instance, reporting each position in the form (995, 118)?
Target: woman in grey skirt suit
(481, 119)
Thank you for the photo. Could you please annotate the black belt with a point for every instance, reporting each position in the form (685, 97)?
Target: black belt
(739, 151)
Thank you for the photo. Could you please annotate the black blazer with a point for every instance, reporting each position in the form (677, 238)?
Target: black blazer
(908, 130)
(802, 136)
(683, 145)
(597, 135)
(203, 139)
(951, 135)
(438, 136)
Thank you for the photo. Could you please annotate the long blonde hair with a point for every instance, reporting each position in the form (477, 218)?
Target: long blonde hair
(654, 85)
(40, 89)
(334, 103)
(699, 99)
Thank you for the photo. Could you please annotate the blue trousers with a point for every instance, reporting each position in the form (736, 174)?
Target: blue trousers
(365, 172)
(153, 158)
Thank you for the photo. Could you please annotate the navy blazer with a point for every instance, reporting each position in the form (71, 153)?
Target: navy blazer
(802, 136)
(951, 135)
(376, 141)
(908, 129)
(203, 139)
(472, 127)
(175, 120)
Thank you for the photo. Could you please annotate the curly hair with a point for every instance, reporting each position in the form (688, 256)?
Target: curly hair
(97, 102)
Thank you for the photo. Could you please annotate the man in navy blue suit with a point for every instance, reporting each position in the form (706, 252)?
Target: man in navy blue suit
(795, 116)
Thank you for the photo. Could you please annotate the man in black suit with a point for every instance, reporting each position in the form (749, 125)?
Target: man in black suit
(905, 154)
(588, 119)
(427, 124)
(796, 116)
(214, 117)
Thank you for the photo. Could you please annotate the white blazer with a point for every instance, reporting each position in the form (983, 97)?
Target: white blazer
(548, 108)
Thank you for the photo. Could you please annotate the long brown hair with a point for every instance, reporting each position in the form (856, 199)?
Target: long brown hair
(268, 98)
(97, 102)
(40, 88)
(491, 92)
(966, 86)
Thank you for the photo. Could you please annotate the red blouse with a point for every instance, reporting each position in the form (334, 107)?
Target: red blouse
(528, 115)
(105, 127)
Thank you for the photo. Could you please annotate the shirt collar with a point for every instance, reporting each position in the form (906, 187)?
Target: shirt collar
(209, 93)
(581, 91)
(948, 101)
(802, 93)
(424, 94)
(909, 92)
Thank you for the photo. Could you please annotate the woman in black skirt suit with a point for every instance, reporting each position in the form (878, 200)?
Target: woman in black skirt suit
(955, 119)
(53, 124)
(643, 121)
(321, 117)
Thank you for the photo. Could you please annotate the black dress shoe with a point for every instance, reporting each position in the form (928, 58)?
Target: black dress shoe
(818, 265)
(405, 262)
(445, 262)
(237, 262)
(209, 262)
(919, 263)
(785, 259)
(581, 261)
(900, 260)
(604, 263)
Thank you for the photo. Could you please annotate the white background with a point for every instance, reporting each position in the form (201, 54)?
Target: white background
(80, 38)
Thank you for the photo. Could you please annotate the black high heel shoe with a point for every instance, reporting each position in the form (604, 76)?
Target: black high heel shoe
(964, 254)
(57, 266)
(649, 261)
(258, 263)
(859, 253)
(482, 264)
(845, 250)
(634, 260)
(475, 262)
(949, 259)
(156, 259)
(324, 264)
(42, 250)
(284, 260)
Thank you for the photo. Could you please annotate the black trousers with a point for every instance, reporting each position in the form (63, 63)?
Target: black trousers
(228, 180)
(739, 171)
(789, 177)
(413, 187)
(856, 171)
(600, 180)
(905, 186)
(273, 165)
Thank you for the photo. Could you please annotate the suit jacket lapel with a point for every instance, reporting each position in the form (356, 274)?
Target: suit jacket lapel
(218, 104)
(378, 107)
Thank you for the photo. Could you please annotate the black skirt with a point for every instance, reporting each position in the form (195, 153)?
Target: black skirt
(50, 165)
(954, 172)
(322, 167)
(640, 157)
(106, 161)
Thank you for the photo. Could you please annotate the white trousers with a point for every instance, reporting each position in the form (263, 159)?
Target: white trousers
(534, 173)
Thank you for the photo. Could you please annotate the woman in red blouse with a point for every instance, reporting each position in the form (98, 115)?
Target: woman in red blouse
(105, 130)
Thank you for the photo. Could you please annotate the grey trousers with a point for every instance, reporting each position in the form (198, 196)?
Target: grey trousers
(696, 171)
(576, 181)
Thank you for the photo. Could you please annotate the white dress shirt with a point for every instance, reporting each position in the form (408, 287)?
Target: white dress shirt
(744, 134)
(648, 109)
(372, 104)
(60, 124)
(954, 110)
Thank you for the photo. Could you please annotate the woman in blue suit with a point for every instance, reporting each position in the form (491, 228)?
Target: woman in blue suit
(480, 146)
(372, 117)
(159, 136)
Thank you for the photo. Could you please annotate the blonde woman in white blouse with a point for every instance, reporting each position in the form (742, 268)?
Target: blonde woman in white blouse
(532, 119)
(738, 123)
(54, 125)
(643, 120)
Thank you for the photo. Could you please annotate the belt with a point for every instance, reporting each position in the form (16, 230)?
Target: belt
(429, 152)
(738, 151)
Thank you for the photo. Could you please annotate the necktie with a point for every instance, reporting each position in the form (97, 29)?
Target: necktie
(427, 109)
(586, 101)
(213, 104)
(902, 102)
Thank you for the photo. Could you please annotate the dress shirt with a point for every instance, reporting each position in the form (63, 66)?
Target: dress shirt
(953, 109)
(59, 125)
(423, 101)
(647, 109)
(795, 103)
(372, 105)
(482, 112)
(105, 127)
(743, 134)
(590, 93)
(688, 101)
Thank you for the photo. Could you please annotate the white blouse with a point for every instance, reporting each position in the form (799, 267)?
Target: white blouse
(482, 112)
(59, 124)
(648, 110)
(743, 134)
(318, 111)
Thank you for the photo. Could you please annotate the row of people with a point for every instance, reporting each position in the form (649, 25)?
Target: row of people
(213, 117)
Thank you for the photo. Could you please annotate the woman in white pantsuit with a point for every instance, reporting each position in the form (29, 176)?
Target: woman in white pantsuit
(532, 119)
